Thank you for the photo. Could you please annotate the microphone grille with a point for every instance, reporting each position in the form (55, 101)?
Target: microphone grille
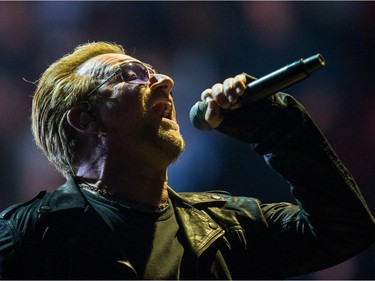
(196, 115)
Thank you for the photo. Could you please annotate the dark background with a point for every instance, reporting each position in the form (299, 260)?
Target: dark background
(199, 44)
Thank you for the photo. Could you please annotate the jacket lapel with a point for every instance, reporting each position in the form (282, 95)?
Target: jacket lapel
(200, 229)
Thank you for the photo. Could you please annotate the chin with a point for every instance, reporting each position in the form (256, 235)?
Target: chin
(172, 144)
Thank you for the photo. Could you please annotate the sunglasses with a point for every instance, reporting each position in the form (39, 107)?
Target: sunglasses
(132, 72)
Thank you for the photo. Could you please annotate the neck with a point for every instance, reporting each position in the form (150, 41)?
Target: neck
(127, 183)
(99, 188)
(125, 174)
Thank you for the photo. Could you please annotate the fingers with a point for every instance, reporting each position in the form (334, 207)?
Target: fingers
(222, 96)
(226, 93)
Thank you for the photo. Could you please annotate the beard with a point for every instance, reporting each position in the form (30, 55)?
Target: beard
(162, 141)
(171, 143)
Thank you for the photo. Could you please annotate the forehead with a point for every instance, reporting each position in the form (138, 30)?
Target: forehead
(112, 59)
(102, 62)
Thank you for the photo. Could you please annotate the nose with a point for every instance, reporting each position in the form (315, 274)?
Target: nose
(158, 80)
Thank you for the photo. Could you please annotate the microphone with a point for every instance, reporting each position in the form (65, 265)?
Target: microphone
(263, 87)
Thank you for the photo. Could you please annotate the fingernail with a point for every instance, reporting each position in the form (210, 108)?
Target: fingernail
(238, 90)
(230, 99)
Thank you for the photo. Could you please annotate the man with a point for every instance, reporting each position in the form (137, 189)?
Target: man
(107, 122)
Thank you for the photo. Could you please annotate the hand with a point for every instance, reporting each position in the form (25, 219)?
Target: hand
(222, 96)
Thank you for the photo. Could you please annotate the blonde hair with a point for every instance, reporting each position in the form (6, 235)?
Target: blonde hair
(58, 88)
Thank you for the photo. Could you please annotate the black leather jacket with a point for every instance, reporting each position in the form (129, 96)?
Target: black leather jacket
(58, 235)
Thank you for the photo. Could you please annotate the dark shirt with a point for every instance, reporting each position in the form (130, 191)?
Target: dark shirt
(149, 240)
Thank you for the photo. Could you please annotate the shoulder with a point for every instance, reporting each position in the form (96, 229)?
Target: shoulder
(221, 203)
(22, 209)
(66, 197)
(213, 198)
(16, 223)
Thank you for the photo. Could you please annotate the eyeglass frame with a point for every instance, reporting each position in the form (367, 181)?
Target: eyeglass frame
(119, 72)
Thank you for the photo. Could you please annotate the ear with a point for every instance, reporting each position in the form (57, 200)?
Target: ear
(81, 120)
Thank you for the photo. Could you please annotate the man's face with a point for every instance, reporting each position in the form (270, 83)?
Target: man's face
(138, 118)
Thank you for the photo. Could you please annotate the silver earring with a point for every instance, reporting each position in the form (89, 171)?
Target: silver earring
(101, 133)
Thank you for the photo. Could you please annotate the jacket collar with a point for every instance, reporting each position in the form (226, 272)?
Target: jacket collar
(67, 196)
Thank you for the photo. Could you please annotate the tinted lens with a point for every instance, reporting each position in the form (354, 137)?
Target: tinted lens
(134, 72)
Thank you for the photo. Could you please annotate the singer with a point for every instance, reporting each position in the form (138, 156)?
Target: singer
(107, 122)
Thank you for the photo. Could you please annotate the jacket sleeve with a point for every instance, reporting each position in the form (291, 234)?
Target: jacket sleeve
(6, 246)
(330, 221)
(17, 227)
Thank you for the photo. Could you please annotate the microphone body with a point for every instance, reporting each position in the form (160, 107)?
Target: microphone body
(263, 87)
